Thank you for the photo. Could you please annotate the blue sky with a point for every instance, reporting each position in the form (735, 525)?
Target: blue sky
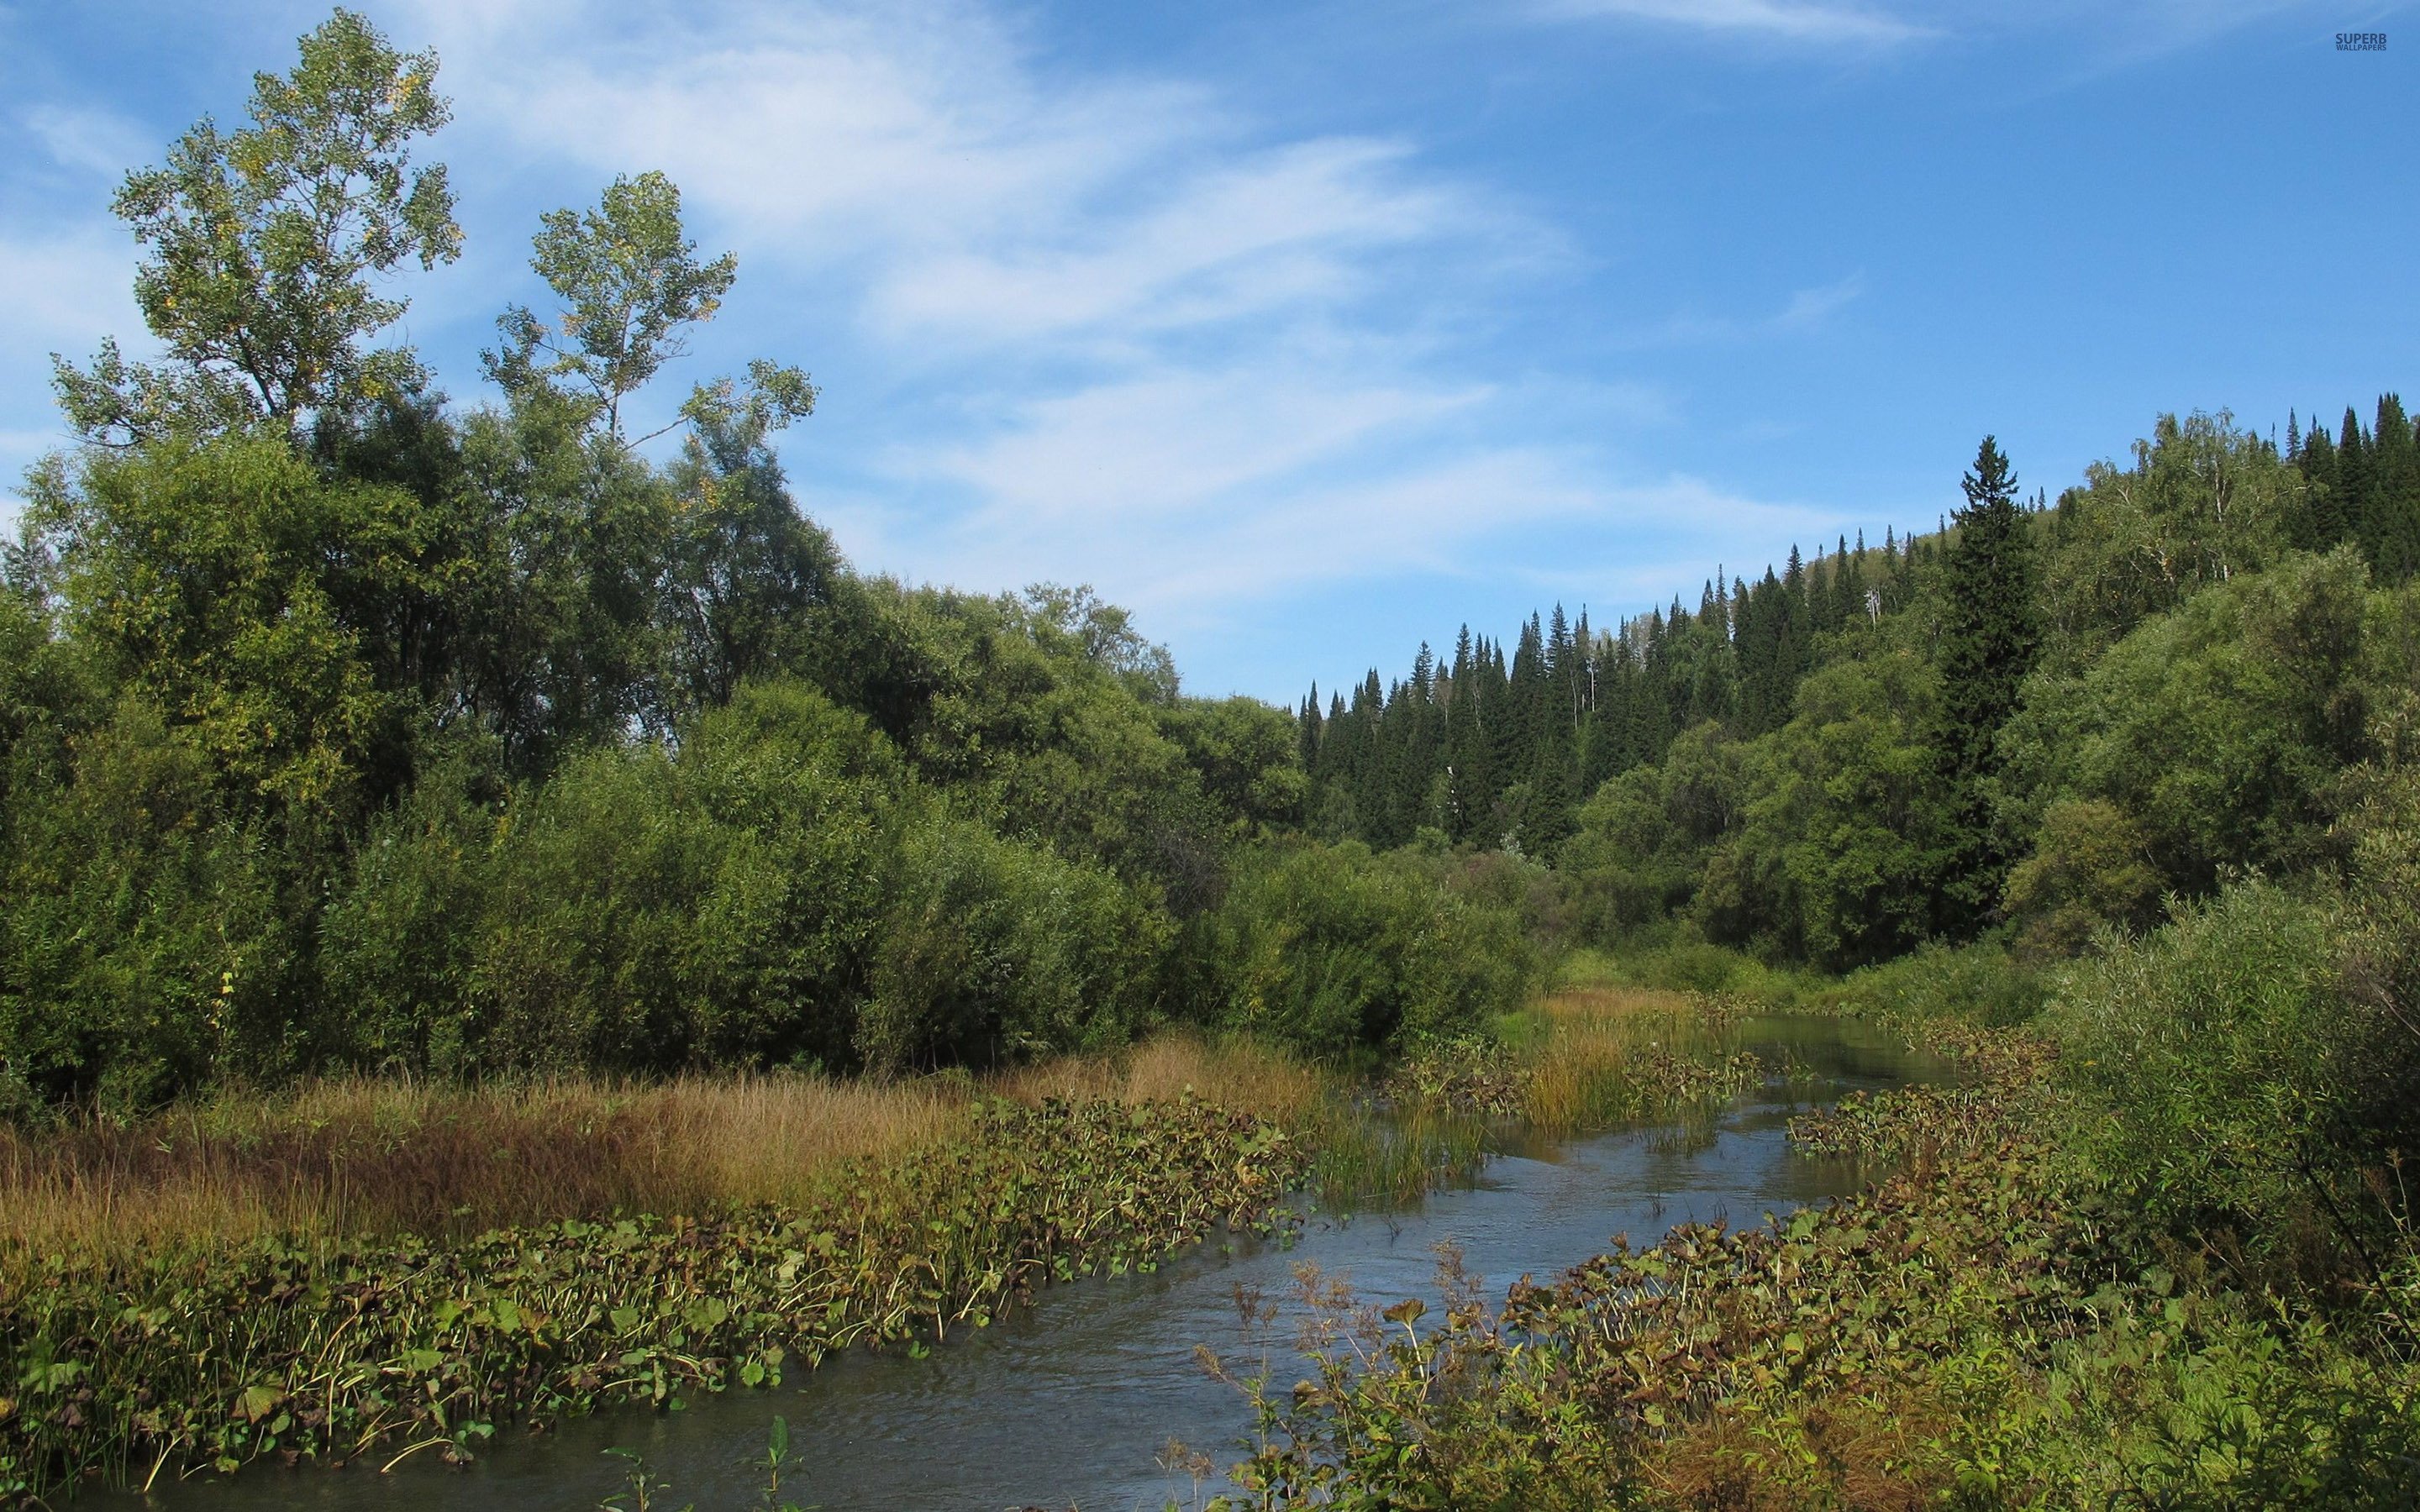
(1312, 331)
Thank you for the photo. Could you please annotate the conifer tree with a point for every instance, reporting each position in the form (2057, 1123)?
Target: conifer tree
(2392, 512)
(2352, 482)
(1987, 646)
(2322, 523)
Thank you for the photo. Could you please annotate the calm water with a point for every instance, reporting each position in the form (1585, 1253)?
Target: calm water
(1071, 1402)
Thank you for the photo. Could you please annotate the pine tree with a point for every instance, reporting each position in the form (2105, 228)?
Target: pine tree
(1987, 640)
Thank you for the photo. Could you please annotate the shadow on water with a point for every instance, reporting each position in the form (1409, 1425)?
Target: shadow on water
(1074, 1400)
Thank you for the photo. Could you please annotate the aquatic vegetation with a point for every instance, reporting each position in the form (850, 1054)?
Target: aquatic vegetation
(1904, 1123)
(1971, 1333)
(1360, 1159)
(2003, 1076)
(1588, 1058)
(144, 1362)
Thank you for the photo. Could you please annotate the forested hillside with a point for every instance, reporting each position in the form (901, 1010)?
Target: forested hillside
(2041, 720)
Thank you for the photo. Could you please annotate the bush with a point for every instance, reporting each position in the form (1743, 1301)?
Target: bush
(143, 945)
(1980, 983)
(1334, 950)
(2217, 1066)
(992, 951)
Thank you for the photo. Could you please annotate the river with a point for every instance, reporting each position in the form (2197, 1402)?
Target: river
(1072, 1401)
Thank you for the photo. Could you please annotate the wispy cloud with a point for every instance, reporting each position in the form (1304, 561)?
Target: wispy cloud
(67, 288)
(91, 141)
(1809, 310)
(1186, 359)
(1795, 21)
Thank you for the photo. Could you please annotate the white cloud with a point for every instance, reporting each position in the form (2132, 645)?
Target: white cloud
(1286, 227)
(1809, 310)
(1146, 344)
(1166, 445)
(1812, 307)
(913, 125)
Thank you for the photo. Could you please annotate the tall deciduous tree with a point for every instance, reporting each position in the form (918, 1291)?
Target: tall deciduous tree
(629, 279)
(262, 245)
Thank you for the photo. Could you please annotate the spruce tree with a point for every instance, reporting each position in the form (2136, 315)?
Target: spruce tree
(2321, 522)
(2394, 510)
(2352, 485)
(1987, 640)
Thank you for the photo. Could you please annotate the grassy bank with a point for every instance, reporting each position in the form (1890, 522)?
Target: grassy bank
(366, 1158)
(374, 1269)
(378, 1269)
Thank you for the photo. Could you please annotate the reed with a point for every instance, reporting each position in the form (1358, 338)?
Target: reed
(1598, 1056)
(358, 1158)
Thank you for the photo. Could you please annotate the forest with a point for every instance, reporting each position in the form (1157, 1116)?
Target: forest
(357, 735)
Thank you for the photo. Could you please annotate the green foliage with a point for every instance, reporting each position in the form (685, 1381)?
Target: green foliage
(1335, 950)
(2226, 1081)
(2218, 729)
(1639, 853)
(143, 947)
(629, 279)
(993, 950)
(1919, 993)
(2202, 505)
(263, 243)
(266, 608)
(1987, 640)
(2088, 871)
(1848, 825)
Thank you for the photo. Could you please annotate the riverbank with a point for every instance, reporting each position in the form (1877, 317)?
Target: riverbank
(1992, 1326)
(372, 1268)
(367, 1269)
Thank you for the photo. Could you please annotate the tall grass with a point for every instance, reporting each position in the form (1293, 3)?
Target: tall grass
(356, 1158)
(1604, 1055)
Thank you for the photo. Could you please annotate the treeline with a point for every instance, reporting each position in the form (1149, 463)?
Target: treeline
(346, 726)
(2039, 722)
(1496, 750)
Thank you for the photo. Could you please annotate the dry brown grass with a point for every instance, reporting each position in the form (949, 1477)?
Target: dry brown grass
(1872, 1456)
(1234, 1073)
(1585, 1066)
(359, 1156)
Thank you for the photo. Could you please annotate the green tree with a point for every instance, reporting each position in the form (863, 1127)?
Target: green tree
(630, 278)
(1987, 646)
(2220, 729)
(1847, 823)
(2090, 870)
(261, 244)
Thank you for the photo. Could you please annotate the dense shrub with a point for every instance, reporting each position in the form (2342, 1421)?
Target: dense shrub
(144, 942)
(993, 950)
(2222, 1072)
(1979, 983)
(1334, 949)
